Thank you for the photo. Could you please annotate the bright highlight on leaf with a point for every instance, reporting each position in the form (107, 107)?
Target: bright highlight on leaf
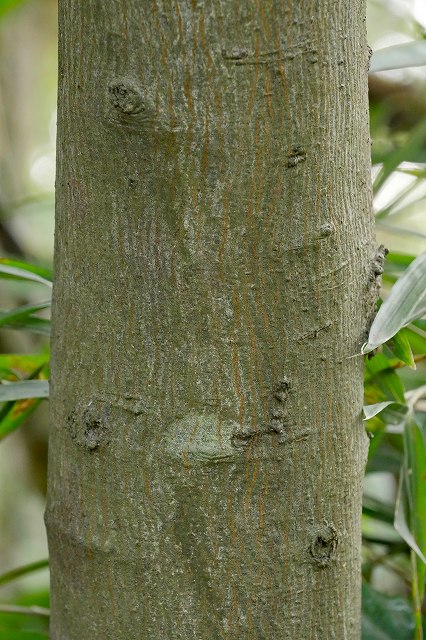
(9, 269)
(405, 303)
(393, 416)
(410, 54)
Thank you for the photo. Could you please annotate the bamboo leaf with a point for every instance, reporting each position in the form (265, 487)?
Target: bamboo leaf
(371, 410)
(17, 626)
(13, 414)
(19, 365)
(44, 272)
(384, 617)
(30, 323)
(409, 148)
(405, 303)
(400, 346)
(401, 521)
(415, 482)
(400, 56)
(410, 514)
(21, 313)
(24, 570)
(23, 390)
(22, 273)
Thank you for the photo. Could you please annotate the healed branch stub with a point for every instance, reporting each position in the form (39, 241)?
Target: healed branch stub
(213, 274)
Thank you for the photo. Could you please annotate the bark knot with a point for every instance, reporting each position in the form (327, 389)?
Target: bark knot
(296, 156)
(324, 545)
(126, 98)
(327, 229)
(89, 425)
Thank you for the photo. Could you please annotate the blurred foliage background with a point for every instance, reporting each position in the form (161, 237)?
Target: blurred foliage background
(395, 483)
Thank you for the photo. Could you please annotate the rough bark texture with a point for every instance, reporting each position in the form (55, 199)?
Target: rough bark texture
(215, 271)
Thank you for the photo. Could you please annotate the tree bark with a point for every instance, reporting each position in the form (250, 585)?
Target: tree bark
(215, 272)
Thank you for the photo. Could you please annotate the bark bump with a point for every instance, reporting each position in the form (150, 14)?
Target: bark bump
(89, 425)
(323, 546)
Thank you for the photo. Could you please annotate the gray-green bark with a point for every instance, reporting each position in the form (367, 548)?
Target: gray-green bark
(214, 274)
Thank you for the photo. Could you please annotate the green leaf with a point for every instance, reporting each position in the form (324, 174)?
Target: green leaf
(7, 5)
(385, 458)
(14, 634)
(30, 323)
(414, 481)
(400, 346)
(417, 338)
(393, 417)
(402, 517)
(381, 381)
(17, 365)
(410, 513)
(24, 570)
(409, 149)
(43, 272)
(384, 617)
(22, 273)
(19, 314)
(400, 56)
(399, 261)
(405, 303)
(23, 390)
(375, 509)
(16, 626)
(13, 414)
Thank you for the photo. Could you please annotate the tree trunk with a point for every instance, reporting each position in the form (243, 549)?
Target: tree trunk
(215, 272)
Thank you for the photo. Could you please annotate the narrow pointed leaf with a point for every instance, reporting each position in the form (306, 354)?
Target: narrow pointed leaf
(20, 365)
(400, 56)
(405, 303)
(44, 272)
(415, 481)
(401, 518)
(20, 273)
(400, 346)
(20, 313)
(23, 390)
(23, 570)
(410, 148)
(14, 414)
(30, 323)
(371, 410)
